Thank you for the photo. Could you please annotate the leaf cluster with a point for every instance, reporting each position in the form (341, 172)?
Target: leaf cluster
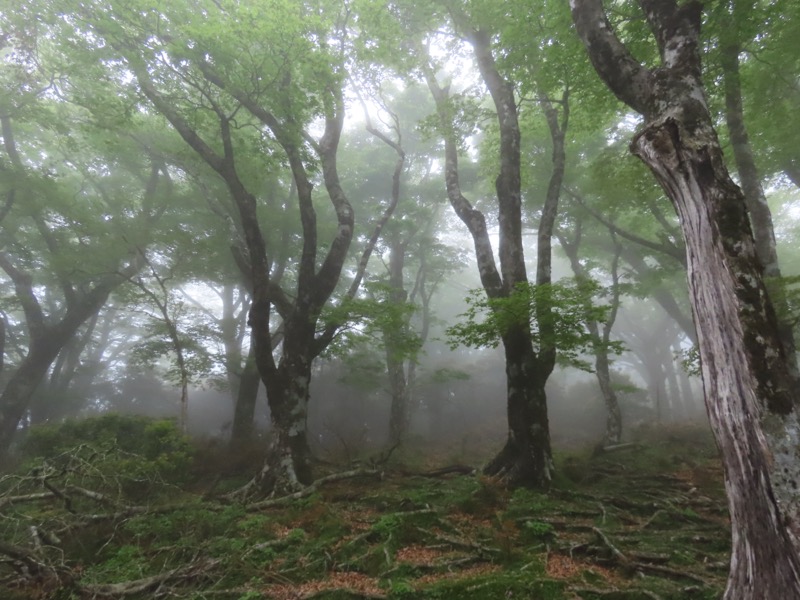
(369, 318)
(555, 316)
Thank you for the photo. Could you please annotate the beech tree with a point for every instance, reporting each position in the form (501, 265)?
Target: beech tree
(53, 193)
(247, 110)
(751, 394)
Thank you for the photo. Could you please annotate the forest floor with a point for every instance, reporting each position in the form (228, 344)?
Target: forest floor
(645, 522)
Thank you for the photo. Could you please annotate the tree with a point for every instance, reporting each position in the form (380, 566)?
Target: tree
(600, 340)
(246, 109)
(751, 395)
(47, 237)
(734, 17)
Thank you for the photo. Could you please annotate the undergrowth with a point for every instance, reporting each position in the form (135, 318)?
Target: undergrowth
(116, 507)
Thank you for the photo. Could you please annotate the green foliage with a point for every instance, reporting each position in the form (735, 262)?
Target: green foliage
(785, 295)
(368, 318)
(123, 564)
(539, 530)
(554, 314)
(122, 445)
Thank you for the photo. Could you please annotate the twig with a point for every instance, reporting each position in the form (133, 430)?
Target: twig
(672, 573)
(457, 543)
(654, 516)
(603, 509)
(102, 498)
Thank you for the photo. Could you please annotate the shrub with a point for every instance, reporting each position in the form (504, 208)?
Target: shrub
(129, 452)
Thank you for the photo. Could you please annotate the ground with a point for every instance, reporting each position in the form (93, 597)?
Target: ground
(647, 521)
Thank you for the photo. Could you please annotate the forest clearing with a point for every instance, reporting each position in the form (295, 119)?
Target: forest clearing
(647, 521)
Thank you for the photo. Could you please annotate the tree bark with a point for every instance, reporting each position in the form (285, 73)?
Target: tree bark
(287, 467)
(756, 200)
(395, 353)
(526, 458)
(246, 398)
(751, 395)
(602, 370)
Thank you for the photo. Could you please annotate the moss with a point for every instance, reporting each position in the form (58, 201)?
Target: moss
(495, 585)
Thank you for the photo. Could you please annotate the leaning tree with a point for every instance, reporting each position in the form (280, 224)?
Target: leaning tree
(751, 395)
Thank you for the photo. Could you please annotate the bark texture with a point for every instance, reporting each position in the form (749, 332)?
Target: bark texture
(751, 395)
(526, 458)
(760, 215)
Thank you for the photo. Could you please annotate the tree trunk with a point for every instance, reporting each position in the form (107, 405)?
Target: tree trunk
(246, 398)
(679, 412)
(687, 393)
(393, 339)
(46, 341)
(288, 464)
(18, 391)
(526, 459)
(756, 200)
(751, 395)
(613, 433)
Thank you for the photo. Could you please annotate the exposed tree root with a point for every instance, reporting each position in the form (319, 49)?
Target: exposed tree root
(614, 593)
(310, 489)
(138, 586)
(645, 567)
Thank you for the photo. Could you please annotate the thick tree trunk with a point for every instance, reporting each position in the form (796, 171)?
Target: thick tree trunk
(750, 397)
(18, 391)
(287, 467)
(45, 344)
(526, 459)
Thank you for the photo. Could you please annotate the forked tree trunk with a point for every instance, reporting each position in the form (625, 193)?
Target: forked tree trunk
(751, 395)
(526, 458)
